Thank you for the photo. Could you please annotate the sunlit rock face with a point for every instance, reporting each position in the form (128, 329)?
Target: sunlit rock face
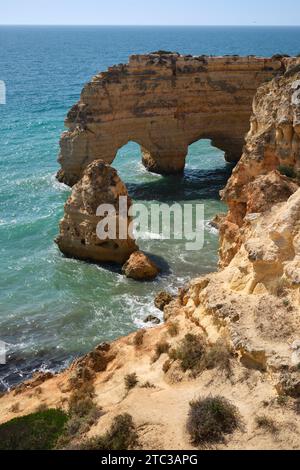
(272, 144)
(79, 234)
(164, 102)
(140, 268)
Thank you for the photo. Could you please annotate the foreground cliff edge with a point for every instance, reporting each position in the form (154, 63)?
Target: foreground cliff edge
(233, 334)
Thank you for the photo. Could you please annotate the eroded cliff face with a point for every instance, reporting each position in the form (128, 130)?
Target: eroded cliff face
(78, 235)
(164, 102)
(273, 143)
(255, 297)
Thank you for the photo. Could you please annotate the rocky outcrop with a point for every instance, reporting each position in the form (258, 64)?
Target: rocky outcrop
(162, 300)
(273, 143)
(78, 235)
(140, 268)
(164, 102)
(255, 297)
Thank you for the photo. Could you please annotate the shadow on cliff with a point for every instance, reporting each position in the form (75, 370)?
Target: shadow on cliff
(193, 184)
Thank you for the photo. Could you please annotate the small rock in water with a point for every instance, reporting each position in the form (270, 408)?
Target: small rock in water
(152, 319)
(140, 268)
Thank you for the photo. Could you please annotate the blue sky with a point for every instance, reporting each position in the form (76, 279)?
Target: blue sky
(151, 12)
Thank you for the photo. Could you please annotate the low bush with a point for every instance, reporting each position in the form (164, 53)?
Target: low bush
(218, 356)
(121, 436)
(15, 408)
(37, 431)
(163, 52)
(210, 419)
(173, 329)
(83, 413)
(267, 424)
(81, 401)
(139, 338)
(148, 385)
(280, 56)
(131, 381)
(190, 352)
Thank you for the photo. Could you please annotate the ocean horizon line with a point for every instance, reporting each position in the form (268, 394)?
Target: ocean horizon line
(154, 25)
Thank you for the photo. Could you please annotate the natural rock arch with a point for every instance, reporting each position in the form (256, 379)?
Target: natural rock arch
(164, 102)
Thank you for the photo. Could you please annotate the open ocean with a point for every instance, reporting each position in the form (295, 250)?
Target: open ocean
(53, 309)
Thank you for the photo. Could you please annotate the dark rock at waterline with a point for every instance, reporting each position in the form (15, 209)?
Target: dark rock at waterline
(152, 319)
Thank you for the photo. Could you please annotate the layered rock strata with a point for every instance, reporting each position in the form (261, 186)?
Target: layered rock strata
(164, 102)
(255, 297)
(79, 236)
(273, 143)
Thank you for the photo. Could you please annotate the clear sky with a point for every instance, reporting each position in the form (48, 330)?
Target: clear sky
(150, 12)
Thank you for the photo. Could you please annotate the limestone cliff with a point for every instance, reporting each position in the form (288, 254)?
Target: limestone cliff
(256, 296)
(164, 102)
(273, 143)
(78, 230)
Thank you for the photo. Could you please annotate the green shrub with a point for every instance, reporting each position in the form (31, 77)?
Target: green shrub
(131, 381)
(210, 419)
(15, 408)
(190, 352)
(37, 431)
(121, 436)
(80, 403)
(78, 425)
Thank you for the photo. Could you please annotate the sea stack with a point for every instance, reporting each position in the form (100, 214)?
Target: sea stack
(78, 237)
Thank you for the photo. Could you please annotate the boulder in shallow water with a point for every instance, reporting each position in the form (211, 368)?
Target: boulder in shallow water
(140, 268)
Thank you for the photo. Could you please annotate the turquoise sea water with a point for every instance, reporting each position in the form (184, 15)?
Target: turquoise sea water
(51, 308)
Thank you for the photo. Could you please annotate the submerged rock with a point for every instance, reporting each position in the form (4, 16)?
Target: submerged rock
(140, 268)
